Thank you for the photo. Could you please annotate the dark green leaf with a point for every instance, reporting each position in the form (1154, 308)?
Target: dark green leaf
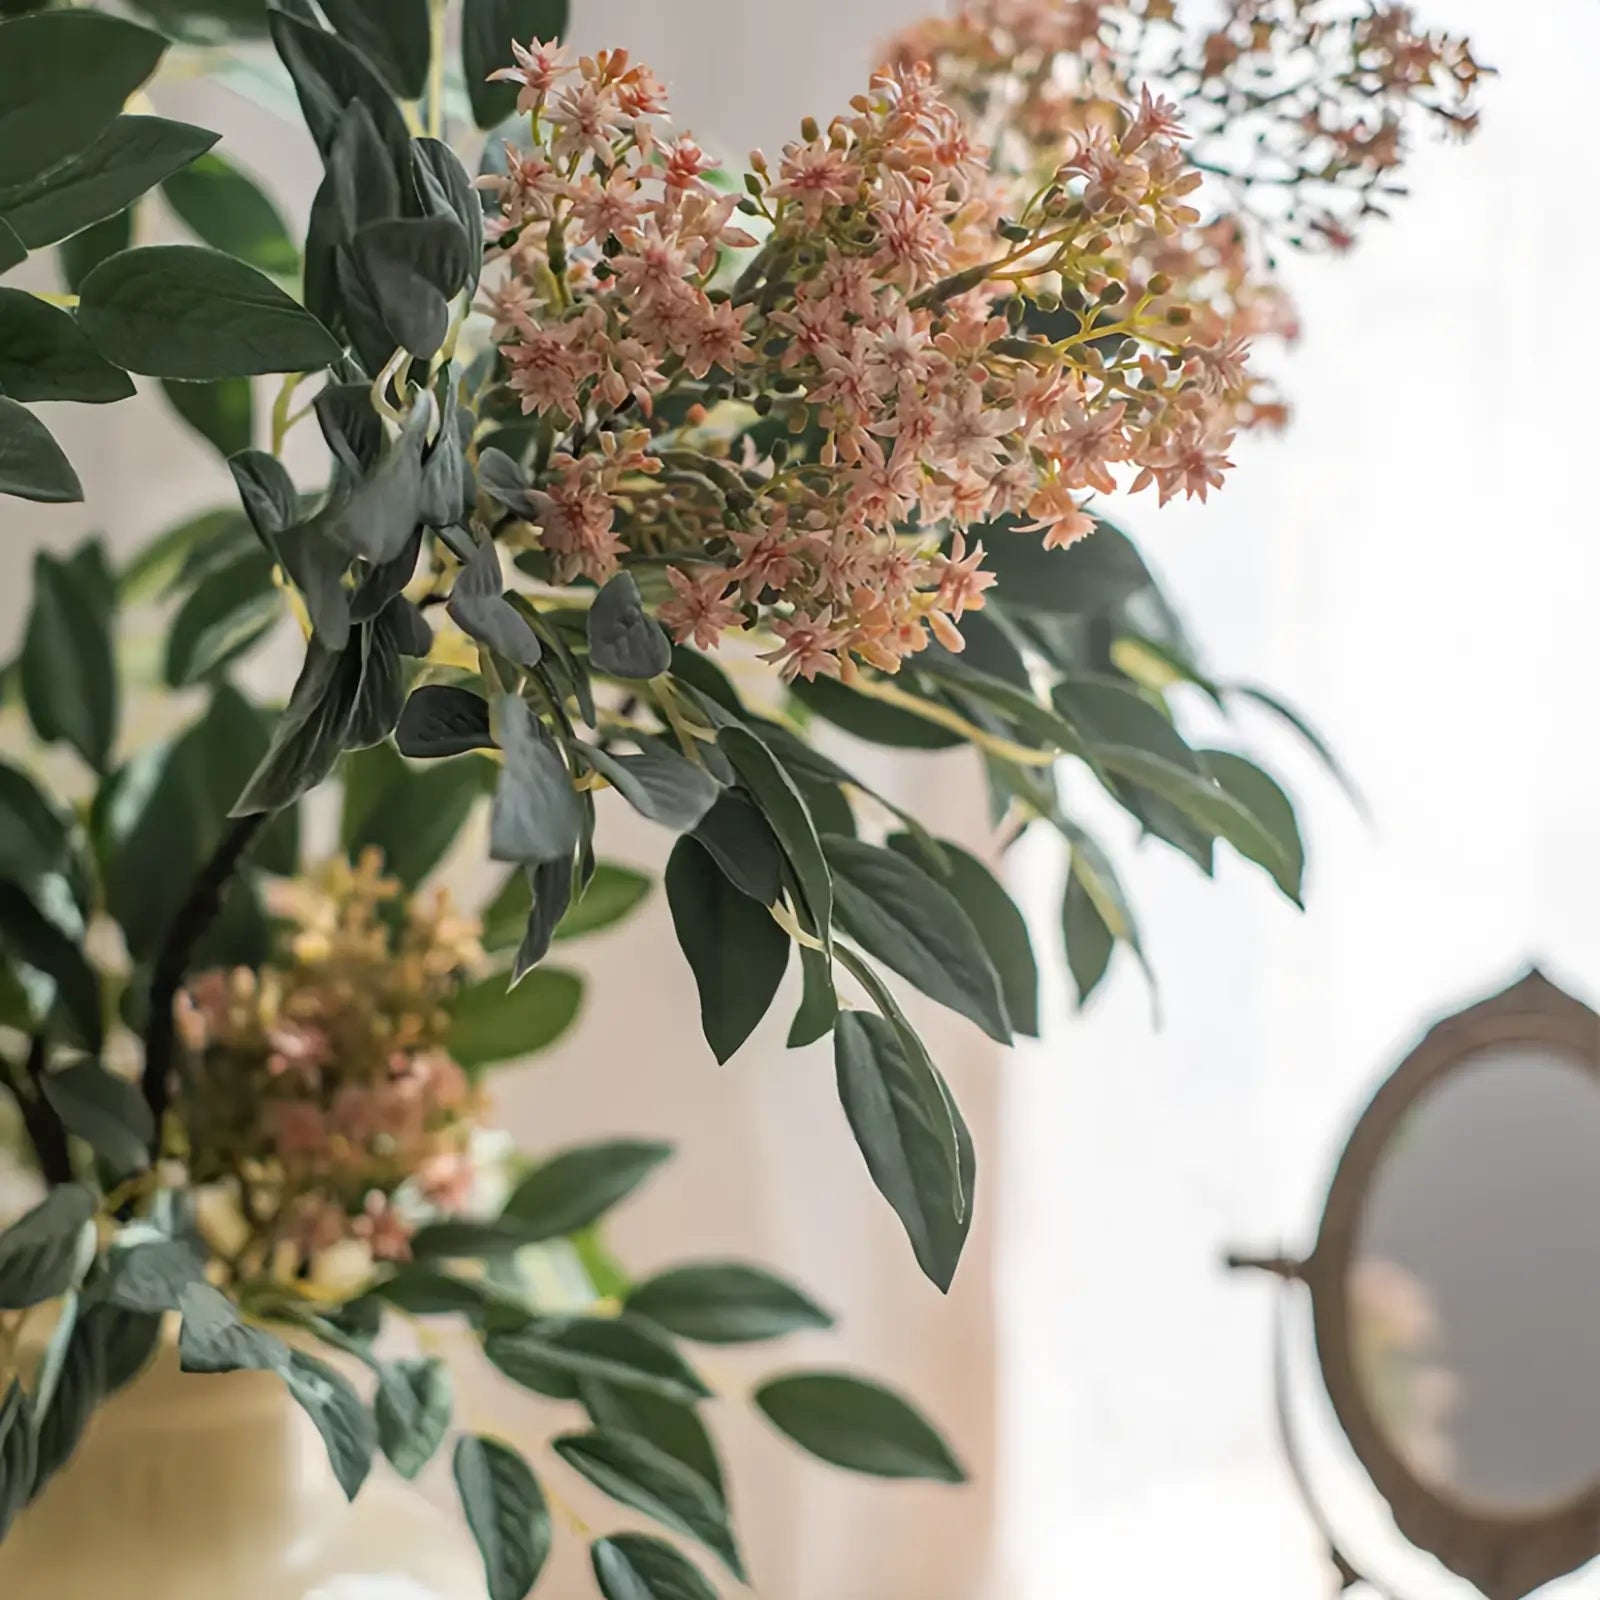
(658, 784)
(1089, 941)
(17, 1453)
(33, 940)
(872, 720)
(83, 252)
(738, 839)
(487, 30)
(328, 76)
(227, 210)
(463, 1240)
(412, 815)
(415, 267)
(819, 1003)
(638, 1475)
(78, 1387)
(128, 1340)
(860, 1426)
(346, 1426)
(13, 252)
(670, 1425)
(129, 158)
(624, 639)
(226, 613)
(1108, 712)
(995, 918)
(551, 1356)
(391, 34)
(41, 1253)
(507, 1514)
(45, 355)
(222, 413)
(490, 1022)
(64, 76)
(536, 815)
(735, 949)
(1261, 796)
(33, 835)
(413, 1408)
(208, 21)
(633, 1566)
(905, 1123)
(1095, 576)
(426, 1292)
(106, 1111)
(150, 1276)
(578, 1186)
(898, 913)
(779, 802)
(180, 311)
(310, 735)
(478, 607)
(725, 1302)
(32, 465)
(69, 679)
(441, 719)
(549, 893)
(607, 898)
(446, 190)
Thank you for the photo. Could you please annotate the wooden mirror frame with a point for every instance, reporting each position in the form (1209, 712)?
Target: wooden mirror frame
(1507, 1555)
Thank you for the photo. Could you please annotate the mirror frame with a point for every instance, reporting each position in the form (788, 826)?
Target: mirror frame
(1507, 1555)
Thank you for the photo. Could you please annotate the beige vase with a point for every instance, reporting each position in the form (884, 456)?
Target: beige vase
(217, 1488)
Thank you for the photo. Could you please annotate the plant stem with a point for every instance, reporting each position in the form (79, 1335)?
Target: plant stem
(195, 915)
(436, 17)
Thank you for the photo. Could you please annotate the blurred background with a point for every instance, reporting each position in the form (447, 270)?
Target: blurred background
(1413, 564)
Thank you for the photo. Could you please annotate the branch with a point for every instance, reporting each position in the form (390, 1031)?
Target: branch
(188, 927)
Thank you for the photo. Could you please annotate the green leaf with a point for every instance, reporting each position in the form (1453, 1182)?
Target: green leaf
(346, 1426)
(208, 21)
(34, 842)
(736, 836)
(870, 719)
(479, 608)
(129, 158)
(735, 949)
(415, 266)
(633, 1566)
(128, 1341)
(413, 816)
(1314, 740)
(551, 1356)
(1088, 939)
(33, 940)
(222, 413)
(637, 1474)
(18, 1453)
(45, 355)
(41, 1253)
(83, 252)
(78, 1387)
(391, 34)
(1093, 577)
(487, 29)
(32, 464)
(1092, 870)
(906, 1126)
(658, 784)
(226, 613)
(1204, 801)
(1258, 792)
(445, 190)
(776, 797)
(212, 1338)
(819, 1002)
(150, 1276)
(460, 1239)
(491, 1023)
(69, 678)
(609, 896)
(577, 1187)
(624, 639)
(860, 1426)
(442, 719)
(670, 1425)
(226, 208)
(506, 1511)
(916, 927)
(311, 734)
(994, 917)
(106, 1111)
(328, 76)
(725, 1302)
(180, 311)
(413, 1407)
(64, 76)
(536, 815)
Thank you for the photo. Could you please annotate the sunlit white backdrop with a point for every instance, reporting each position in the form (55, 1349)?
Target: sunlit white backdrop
(1415, 564)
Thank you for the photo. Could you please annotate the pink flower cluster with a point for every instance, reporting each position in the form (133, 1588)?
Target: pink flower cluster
(322, 1090)
(874, 350)
(1298, 112)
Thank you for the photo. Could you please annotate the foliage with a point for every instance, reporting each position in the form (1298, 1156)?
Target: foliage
(588, 410)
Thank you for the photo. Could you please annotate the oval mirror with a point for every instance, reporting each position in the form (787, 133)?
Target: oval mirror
(1456, 1290)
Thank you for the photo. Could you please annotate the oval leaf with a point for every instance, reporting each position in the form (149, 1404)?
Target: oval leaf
(725, 1302)
(579, 1186)
(633, 1566)
(32, 465)
(857, 1425)
(506, 1511)
(412, 1408)
(491, 1022)
(624, 639)
(41, 1251)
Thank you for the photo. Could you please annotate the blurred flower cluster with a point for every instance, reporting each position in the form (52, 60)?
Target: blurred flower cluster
(869, 308)
(1299, 113)
(323, 1110)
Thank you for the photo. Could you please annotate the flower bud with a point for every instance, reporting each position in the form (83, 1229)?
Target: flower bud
(1160, 284)
(809, 129)
(1179, 316)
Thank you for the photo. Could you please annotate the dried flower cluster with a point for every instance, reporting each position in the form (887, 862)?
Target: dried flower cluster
(1298, 113)
(323, 1098)
(883, 325)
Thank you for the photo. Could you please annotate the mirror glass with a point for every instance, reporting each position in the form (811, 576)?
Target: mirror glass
(1474, 1288)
